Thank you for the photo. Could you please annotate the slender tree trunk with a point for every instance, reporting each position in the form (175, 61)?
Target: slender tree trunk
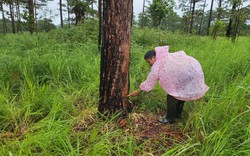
(219, 11)
(100, 24)
(192, 17)
(68, 12)
(217, 28)
(203, 11)
(19, 27)
(17, 18)
(115, 57)
(190, 6)
(31, 20)
(188, 19)
(78, 17)
(235, 27)
(237, 22)
(92, 7)
(189, 15)
(210, 16)
(61, 13)
(35, 16)
(142, 16)
(12, 17)
(3, 18)
(186, 28)
(229, 27)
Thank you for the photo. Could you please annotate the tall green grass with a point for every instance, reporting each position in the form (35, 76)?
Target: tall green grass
(50, 82)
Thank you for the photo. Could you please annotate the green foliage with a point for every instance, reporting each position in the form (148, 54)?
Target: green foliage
(42, 25)
(158, 10)
(81, 9)
(217, 28)
(49, 83)
(45, 25)
(8, 26)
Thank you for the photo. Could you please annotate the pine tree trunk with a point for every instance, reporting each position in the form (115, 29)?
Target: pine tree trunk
(35, 16)
(100, 24)
(203, 11)
(192, 17)
(31, 20)
(12, 18)
(210, 16)
(61, 13)
(92, 7)
(229, 27)
(78, 16)
(3, 19)
(142, 16)
(68, 12)
(19, 27)
(115, 56)
(188, 18)
(235, 27)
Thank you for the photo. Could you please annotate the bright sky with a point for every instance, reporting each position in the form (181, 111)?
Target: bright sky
(137, 4)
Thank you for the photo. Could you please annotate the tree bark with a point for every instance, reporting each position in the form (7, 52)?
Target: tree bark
(3, 18)
(236, 26)
(61, 13)
(12, 17)
(35, 15)
(210, 16)
(229, 27)
(115, 57)
(18, 28)
(68, 12)
(92, 7)
(142, 16)
(100, 24)
(31, 20)
(192, 17)
(78, 14)
(203, 11)
(189, 15)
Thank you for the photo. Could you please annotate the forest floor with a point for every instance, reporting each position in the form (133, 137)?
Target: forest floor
(146, 129)
(144, 126)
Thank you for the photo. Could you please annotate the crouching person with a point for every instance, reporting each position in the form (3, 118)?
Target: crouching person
(180, 76)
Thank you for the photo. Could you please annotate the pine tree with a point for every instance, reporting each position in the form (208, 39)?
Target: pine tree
(115, 56)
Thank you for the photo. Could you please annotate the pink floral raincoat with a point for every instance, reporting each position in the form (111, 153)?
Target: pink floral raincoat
(180, 75)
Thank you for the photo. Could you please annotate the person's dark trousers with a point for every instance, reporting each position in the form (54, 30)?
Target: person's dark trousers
(174, 108)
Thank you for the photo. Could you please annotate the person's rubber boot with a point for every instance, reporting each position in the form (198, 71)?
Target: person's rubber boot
(178, 116)
(166, 121)
(179, 110)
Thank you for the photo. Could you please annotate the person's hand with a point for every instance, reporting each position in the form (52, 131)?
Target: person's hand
(134, 93)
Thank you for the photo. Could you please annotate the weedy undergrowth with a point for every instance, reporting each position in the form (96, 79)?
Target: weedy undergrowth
(49, 96)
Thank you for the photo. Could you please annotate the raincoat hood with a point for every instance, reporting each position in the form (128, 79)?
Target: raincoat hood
(161, 52)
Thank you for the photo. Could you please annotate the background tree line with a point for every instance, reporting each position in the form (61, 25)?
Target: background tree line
(199, 17)
(229, 18)
(36, 15)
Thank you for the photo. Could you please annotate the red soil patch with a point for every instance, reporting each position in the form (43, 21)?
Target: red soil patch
(146, 127)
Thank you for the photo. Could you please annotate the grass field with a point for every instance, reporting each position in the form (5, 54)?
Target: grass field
(50, 86)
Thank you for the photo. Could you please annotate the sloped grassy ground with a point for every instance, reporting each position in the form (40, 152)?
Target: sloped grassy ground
(49, 97)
